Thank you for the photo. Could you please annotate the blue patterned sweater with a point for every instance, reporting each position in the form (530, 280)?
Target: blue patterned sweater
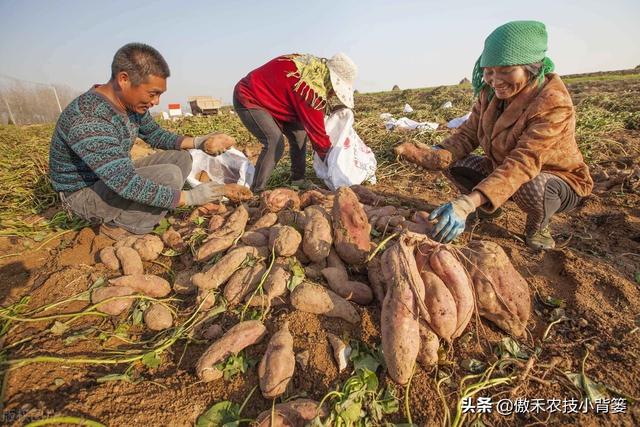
(92, 141)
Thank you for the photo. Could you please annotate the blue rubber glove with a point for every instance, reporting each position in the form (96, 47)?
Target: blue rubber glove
(451, 218)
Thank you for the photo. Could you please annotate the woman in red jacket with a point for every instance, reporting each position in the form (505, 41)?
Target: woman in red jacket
(289, 96)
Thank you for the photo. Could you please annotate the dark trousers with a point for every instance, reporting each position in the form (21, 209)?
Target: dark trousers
(263, 126)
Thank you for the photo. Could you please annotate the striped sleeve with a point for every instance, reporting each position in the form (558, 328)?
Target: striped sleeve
(96, 142)
(151, 133)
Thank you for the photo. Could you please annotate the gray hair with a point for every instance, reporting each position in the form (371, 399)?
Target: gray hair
(533, 70)
(139, 61)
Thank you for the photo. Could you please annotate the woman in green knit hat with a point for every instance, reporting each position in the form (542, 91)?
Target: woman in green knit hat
(524, 121)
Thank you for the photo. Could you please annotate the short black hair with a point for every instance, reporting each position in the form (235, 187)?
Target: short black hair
(139, 61)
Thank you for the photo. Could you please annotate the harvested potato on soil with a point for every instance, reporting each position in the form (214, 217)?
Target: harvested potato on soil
(235, 223)
(275, 287)
(502, 294)
(129, 260)
(351, 229)
(214, 246)
(367, 197)
(213, 332)
(376, 278)
(456, 279)
(318, 237)
(215, 222)
(339, 282)
(173, 239)
(277, 365)
(438, 299)
(236, 339)
(254, 238)
(284, 240)
(312, 197)
(399, 319)
(242, 283)
(316, 299)
(429, 345)
(115, 306)
(220, 272)
(146, 284)
(149, 247)
(109, 259)
(158, 317)
(265, 221)
(425, 156)
(279, 199)
(127, 242)
(295, 413)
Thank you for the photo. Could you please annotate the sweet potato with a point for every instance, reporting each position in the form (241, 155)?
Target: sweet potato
(220, 272)
(173, 239)
(158, 317)
(316, 299)
(341, 351)
(129, 260)
(284, 240)
(277, 365)
(243, 282)
(429, 345)
(203, 176)
(294, 413)
(376, 279)
(109, 259)
(425, 156)
(314, 270)
(215, 222)
(275, 286)
(149, 247)
(182, 283)
(312, 197)
(237, 193)
(317, 239)
(115, 306)
(438, 299)
(339, 282)
(126, 242)
(206, 299)
(351, 228)
(367, 196)
(388, 222)
(146, 284)
(455, 277)
(399, 319)
(254, 238)
(414, 227)
(292, 218)
(380, 211)
(279, 199)
(502, 294)
(213, 332)
(333, 260)
(232, 342)
(221, 239)
(265, 221)
(214, 246)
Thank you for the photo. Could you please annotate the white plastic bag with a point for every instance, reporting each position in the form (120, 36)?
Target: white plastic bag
(230, 167)
(458, 121)
(349, 161)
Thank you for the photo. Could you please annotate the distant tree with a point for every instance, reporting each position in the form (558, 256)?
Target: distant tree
(356, 92)
(395, 87)
(464, 81)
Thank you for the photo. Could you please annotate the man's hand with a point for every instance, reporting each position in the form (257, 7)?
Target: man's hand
(203, 194)
(214, 143)
(451, 218)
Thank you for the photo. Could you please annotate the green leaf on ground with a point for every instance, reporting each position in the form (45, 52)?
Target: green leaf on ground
(221, 414)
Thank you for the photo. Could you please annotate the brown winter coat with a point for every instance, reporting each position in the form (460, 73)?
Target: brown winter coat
(536, 132)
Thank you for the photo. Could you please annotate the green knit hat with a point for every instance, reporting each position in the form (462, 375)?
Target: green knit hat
(514, 43)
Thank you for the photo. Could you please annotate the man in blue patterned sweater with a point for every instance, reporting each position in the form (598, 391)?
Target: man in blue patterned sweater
(89, 158)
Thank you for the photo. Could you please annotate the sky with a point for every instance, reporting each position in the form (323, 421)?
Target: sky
(211, 45)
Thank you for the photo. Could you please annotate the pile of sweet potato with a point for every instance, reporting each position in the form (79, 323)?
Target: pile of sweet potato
(314, 252)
